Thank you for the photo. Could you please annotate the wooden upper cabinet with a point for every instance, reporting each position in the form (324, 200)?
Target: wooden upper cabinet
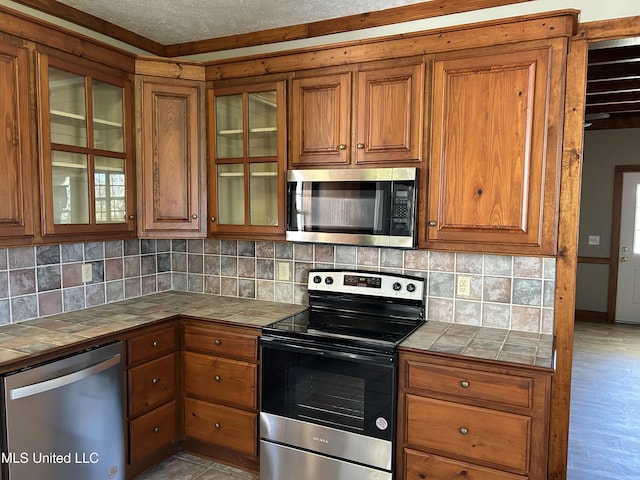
(496, 123)
(86, 148)
(369, 114)
(16, 160)
(171, 164)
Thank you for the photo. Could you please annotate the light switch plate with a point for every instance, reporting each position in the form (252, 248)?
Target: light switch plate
(594, 239)
(283, 270)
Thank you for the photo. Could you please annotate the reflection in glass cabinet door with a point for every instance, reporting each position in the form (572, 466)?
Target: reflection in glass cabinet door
(231, 194)
(263, 193)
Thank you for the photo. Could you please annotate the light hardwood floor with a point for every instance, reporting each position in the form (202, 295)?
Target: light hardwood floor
(604, 427)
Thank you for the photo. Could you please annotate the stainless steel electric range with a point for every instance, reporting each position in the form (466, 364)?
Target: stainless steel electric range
(328, 409)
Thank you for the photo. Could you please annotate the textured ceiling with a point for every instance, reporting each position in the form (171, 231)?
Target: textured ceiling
(172, 22)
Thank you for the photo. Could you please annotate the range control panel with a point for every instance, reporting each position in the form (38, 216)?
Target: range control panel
(367, 283)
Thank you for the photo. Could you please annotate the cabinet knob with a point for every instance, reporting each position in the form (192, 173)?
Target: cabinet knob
(155, 380)
(217, 426)
(155, 343)
(433, 223)
(132, 217)
(463, 430)
(194, 216)
(360, 146)
(217, 378)
(464, 384)
(217, 342)
(156, 429)
(342, 146)
(213, 219)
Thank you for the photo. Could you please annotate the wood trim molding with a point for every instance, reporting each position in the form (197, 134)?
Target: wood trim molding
(613, 29)
(419, 11)
(595, 260)
(591, 316)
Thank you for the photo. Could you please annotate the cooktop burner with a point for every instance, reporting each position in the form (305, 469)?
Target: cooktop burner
(356, 308)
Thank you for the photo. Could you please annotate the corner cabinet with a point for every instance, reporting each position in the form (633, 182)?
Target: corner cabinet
(247, 160)
(86, 149)
(462, 418)
(495, 149)
(221, 392)
(16, 157)
(172, 179)
(368, 114)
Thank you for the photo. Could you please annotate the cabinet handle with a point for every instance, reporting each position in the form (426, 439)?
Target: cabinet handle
(156, 429)
(132, 217)
(213, 219)
(342, 146)
(463, 430)
(217, 426)
(155, 380)
(155, 343)
(433, 223)
(218, 342)
(217, 378)
(464, 384)
(360, 146)
(194, 216)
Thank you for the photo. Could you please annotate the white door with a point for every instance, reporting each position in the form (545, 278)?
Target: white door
(628, 295)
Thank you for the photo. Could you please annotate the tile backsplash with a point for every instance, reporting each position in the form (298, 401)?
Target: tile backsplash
(504, 291)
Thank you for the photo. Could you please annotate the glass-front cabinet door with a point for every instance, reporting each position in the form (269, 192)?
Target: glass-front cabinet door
(87, 169)
(247, 139)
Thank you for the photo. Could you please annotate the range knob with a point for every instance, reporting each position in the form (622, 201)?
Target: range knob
(411, 288)
(328, 280)
(317, 279)
(396, 286)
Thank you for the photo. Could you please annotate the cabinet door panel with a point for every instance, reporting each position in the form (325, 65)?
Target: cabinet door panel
(494, 151)
(422, 465)
(321, 120)
(389, 120)
(171, 160)
(16, 209)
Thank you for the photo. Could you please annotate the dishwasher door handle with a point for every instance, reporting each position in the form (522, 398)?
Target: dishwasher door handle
(40, 387)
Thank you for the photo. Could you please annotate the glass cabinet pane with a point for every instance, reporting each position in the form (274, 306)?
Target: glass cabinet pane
(109, 185)
(229, 127)
(70, 187)
(231, 194)
(263, 121)
(263, 193)
(108, 129)
(67, 100)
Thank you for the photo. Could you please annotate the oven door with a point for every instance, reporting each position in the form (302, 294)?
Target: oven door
(344, 389)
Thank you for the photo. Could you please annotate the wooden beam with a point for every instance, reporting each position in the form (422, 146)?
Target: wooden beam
(418, 11)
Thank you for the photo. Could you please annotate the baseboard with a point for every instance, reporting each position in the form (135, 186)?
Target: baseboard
(591, 316)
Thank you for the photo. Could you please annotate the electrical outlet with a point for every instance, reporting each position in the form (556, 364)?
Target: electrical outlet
(283, 270)
(594, 239)
(464, 285)
(87, 274)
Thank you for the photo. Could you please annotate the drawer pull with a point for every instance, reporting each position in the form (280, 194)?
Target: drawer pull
(155, 343)
(422, 475)
(217, 378)
(156, 429)
(464, 384)
(155, 380)
(218, 342)
(463, 430)
(217, 426)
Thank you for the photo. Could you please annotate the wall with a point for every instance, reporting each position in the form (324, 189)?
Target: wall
(603, 150)
(506, 291)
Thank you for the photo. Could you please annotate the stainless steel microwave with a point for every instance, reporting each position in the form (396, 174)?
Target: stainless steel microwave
(368, 206)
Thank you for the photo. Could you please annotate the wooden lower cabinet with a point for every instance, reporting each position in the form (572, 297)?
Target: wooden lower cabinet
(220, 392)
(462, 418)
(152, 396)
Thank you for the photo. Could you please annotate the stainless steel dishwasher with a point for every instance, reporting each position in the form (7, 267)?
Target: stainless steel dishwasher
(65, 419)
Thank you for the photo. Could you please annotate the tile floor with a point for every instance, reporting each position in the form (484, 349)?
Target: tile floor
(184, 466)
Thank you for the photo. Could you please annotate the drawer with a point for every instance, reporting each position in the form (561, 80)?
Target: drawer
(152, 431)
(477, 433)
(151, 384)
(151, 345)
(221, 342)
(492, 387)
(221, 379)
(220, 425)
(420, 466)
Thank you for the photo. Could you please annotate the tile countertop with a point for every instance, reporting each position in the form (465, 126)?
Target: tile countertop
(524, 348)
(32, 337)
(21, 340)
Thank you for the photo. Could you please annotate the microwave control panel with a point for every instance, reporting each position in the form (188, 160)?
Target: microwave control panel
(402, 209)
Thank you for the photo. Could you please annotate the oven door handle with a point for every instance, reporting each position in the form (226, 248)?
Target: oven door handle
(344, 353)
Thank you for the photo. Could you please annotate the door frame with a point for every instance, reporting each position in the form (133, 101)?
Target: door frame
(616, 219)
